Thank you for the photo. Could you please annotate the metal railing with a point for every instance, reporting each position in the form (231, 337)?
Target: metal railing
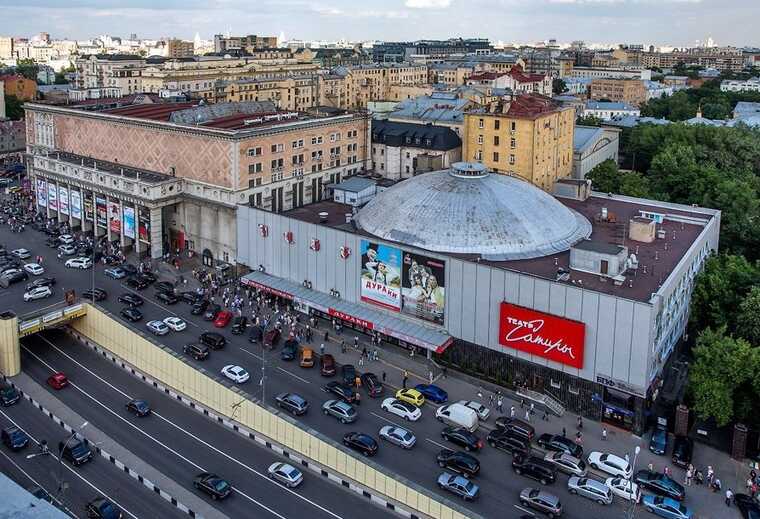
(550, 402)
(50, 319)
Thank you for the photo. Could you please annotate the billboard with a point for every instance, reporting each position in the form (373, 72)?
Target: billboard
(100, 209)
(63, 200)
(144, 224)
(52, 196)
(42, 193)
(88, 209)
(129, 221)
(76, 204)
(423, 291)
(381, 275)
(544, 335)
(114, 217)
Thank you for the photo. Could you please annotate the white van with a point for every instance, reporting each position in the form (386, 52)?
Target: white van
(458, 415)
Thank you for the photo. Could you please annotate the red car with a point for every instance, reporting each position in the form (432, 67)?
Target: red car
(58, 381)
(223, 318)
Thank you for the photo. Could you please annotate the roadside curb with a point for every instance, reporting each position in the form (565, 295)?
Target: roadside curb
(104, 454)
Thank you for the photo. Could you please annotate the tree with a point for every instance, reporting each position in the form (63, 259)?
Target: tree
(607, 178)
(559, 86)
(588, 120)
(27, 68)
(748, 321)
(13, 109)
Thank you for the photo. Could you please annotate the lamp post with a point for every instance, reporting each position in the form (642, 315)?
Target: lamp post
(60, 460)
(631, 510)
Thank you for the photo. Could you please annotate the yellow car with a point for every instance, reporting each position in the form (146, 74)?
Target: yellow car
(411, 396)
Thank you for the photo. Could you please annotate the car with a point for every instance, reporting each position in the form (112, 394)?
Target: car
(37, 293)
(666, 507)
(97, 294)
(566, 463)
(590, 488)
(535, 468)
(398, 436)
(458, 485)
(212, 485)
(136, 283)
(199, 307)
(130, 299)
(683, 447)
(190, 297)
(482, 411)
(41, 282)
(237, 374)
(660, 484)
(459, 462)
(115, 272)
(508, 442)
(307, 358)
(286, 474)
(150, 277)
(34, 269)
(75, 451)
(15, 277)
(58, 380)
(289, 350)
(196, 351)
(131, 314)
(67, 250)
(748, 506)
(342, 411)
(130, 269)
(372, 384)
(102, 508)
(165, 286)
(215, 341)
(433, 393)
(52, 242)
(348, 373)
(658, 443)
(239, 324)
(9, 395)
(624, 488)
(343, 391)
(540, 500)
(175, 323)
(157, 327)
(21, 253)
(400, 408)
(611, 464)
(363, 443)
(211, 312)
(327, 365)
(411, 396)
(292, 403)
(78, 263)
(555, 442)
(139, 407)
(14, 438)
(462, 437)
(167, 298)
(271, 338)
(66, 239)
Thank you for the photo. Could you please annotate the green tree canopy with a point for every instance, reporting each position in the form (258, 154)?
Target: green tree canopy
(13, 109)
(559, 86)
(748, 321)
(607, 178)
(588, 120)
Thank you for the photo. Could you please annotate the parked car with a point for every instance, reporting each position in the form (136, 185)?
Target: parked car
(41, 282)
(411, 396)
(457, 415)
(175, 323)
(307, 358)
(211, 312)
(566, 463)
(398, 436)
(611, 464)
(433, 393)
(37, 293)
(97, 294)
(8, 395)
(222, 319)
(58, 380)
(285, 474)
(507, 442)
(115, 272)
(482, 411)
(534, 467)
(341, 390)
(67, 250)
(363, 443)
(199, 307)
(21, 253)
(239, 324)
(543, 501)
(130, 299)
(212, 485)
(15, 277)
(683, 447)
(130, 269)
(372, 384)
(516, 427)
(79, 263)
(342, 411)
(271, 338)
(658, 443)
(102, 508)
(289, 350)
(165, 286)
(458, 485)
(34, 269)
(590, 488)
(459, 462)
(14, 438)
(625, 489)
(327, 365)
(66, 239)
(666, 507)
(196, 351)
(348, 373)
(748, 506)
(139, 407)
(75, 451)
(136, 283)
(237, 374)
(405, 410)
(555, 442)
(215, 341)
(292, 403)
(131, 314)
(167, 298)
(659, 484)
(190, 297)
(157, 327)
(462, 437)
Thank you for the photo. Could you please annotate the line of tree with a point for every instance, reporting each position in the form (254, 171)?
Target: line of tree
(684, 104)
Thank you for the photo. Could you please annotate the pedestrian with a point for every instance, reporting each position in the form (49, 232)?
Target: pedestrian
(522, 403)
(666, 471)
(729, 496)
(650, 467)
(579, 438)
(604, 434)
(532, 408)
(342, 346)
(405, 378)
(749, 485)
(491, 399)
(327, 338)
(580, 422)
(689, 475)
(710, 474)
(358, 381)
(500, 404)
(364, 351)
(384, 375)
(375, 354)
(443, 370)
(545, 417)
(527, 415)
(358, 398)
(480, 392)
(361, 360)
(564, 433)
(322, 349)
(627, 458)
(430, 377)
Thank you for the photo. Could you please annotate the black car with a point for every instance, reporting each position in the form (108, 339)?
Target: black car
(507, 441)
(239, 324)
(75, 451)
(211, 312)
(215, 340)
(167, 298)
(213, 485)
(344, 391)
(150, 277)
(534, 467)
(130, 299)
(97, 294)
(17, 277)
(555, 442)
(102, 508)
(289, 350)
(139, 407)
(462, 437)
(131, 314)
(52, 242)
(164, 286)
(372, 384)
(190, 297)
(361, 442)
(459, 462)
(40, 282)
(516, 427)
(136, 283)
(292, 403)
(130, 269)
(348, 371)
(199, 307)
(256, 334)
(196, 351)
(8, 395)
(660, 484)
(748, 506)
(84, 250)
(14, 438)
(682, 451)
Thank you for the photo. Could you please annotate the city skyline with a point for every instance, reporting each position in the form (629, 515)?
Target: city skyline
(658, 22)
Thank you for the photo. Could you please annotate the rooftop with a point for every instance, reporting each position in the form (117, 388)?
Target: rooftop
(610, 105)
(415, 135)
(114, 168)
(19, 503)
(529, 106)
(353, 184)
(584, 136)
(445, 107)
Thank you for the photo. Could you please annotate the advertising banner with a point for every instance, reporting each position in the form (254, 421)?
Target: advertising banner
(544, 335)
(88, 208)
(100, 208)
(114, 216)
(129, 221)
(52, 196)
(76, 203)
(63, 200)
(422, 287)
(42, 194)
(381, 275)
(144, 225)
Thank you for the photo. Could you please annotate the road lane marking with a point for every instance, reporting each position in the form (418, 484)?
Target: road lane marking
(162, 307)
(525, 510)
(436, 443)
(249, 352)
(387, 420)
(294, 375)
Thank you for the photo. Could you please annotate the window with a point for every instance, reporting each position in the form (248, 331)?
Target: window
(254, 168)
(480, 139)
(316, 140)
(479, 155)
(254, 152)
(496, 156)
(513, 126)
(511, 159)
(297, 144)
(277, 164)
(297, 159)
(513, 143)
(495, 140)
(407, 155)
(496, 124)
(382, 166)
(480, 123)
(276, 148)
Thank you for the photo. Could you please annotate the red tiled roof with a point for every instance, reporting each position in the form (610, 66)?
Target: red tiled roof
(522, 77)
(12, 77)
(531, 105)
(486, 76)
(155, 112)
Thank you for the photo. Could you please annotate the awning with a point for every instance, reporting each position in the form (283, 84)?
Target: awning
(392, 326)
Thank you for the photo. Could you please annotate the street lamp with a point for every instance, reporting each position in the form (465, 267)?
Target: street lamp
(631, 510)
(60, 459)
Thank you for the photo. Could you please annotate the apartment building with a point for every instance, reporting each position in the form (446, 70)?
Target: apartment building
(17, 85)
(630, 91)
(517, 81)
(720, 58)
(530, 137)
(107, 75)
(364, 83)
(740, 85)
(297, 93)
(450, 74)
(248, 43)
(176, 48)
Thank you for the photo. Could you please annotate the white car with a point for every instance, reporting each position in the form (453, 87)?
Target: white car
(406, 411)
(67, 250)
(482, 411)
(79, 263)
(66, 239)
(157, 327)
(398, 436)
(286, 474)
(34, 268)
(628, 490)
(175, 323)
(236, 373)
(611, 464)
(38, 293)
(21, 253)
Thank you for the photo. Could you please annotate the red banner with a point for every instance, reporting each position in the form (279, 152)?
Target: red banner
(554, 338)
(274, 291)
(351, 319)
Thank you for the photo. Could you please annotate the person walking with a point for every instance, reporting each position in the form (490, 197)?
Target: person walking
(532, 408)
(729, 497)
(342, 345)
(604, 434)
(430, 377)
(500, 404)
(384, 375)
(361, 360)
(580, 422)
(358, 398)
(527, 415)
(710, 474)
(322, 349)
(512, 411)
(545, 417)
(689, 475)
(406, 377)
(564, 433)
(358, 381)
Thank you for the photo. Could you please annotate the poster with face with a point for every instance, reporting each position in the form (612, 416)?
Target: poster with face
(52, 196)
(129, 221)
(76, 203)
(88, 208)
(381, 275)
(42, 193)
(114, 216)
(100, 208)
(144, 225)
(63, 200)
(423, 287)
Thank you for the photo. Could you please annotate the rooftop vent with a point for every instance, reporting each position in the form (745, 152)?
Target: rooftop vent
(323, 216)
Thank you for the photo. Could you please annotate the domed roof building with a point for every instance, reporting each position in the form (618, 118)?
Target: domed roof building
(466, 210)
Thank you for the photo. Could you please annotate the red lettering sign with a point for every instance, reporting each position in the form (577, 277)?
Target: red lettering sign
(350, 318)
(274, 291)
(554, 338)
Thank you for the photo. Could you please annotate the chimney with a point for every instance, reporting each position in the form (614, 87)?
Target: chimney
(349, 217)
(323, 216)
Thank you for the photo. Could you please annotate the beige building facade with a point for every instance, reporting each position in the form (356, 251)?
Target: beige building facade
(631, 91)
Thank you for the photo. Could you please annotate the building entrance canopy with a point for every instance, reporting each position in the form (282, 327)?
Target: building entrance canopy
(401, 329)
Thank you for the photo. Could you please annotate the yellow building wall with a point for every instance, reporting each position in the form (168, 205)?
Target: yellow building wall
(10, 350)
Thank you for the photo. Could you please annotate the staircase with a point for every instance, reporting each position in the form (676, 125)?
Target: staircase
(548, 401)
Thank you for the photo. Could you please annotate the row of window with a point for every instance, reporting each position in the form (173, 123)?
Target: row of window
(277, 165)
(496, 140)
(497, 124)
(296, 144)
(479, 156)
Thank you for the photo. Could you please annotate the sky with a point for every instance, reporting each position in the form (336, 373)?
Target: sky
(658, 22)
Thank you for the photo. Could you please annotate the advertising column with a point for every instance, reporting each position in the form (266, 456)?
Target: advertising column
(128, 223)
(42, 193)
(381, 275)
(101, 213)
(114, 221)
(423, 287)
(75, 197)
(143, 227)
(89, 211)
(63, 201)
(53, 199)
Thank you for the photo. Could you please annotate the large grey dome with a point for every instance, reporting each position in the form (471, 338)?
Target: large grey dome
(467, 210)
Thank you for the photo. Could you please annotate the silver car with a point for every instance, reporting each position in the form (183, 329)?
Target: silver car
(158, 327)
(341, 410)
(566, 463)
(545, 502)
(482, 411)
(590, 488)
(286, 474)
(398, 436)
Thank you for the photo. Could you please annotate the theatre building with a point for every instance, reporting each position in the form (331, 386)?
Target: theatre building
(579, 297)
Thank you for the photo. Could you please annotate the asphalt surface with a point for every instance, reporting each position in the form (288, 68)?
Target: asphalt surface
(81, 484)
(499, 486)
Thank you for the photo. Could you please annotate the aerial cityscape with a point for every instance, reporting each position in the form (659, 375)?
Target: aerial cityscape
(427, 259)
